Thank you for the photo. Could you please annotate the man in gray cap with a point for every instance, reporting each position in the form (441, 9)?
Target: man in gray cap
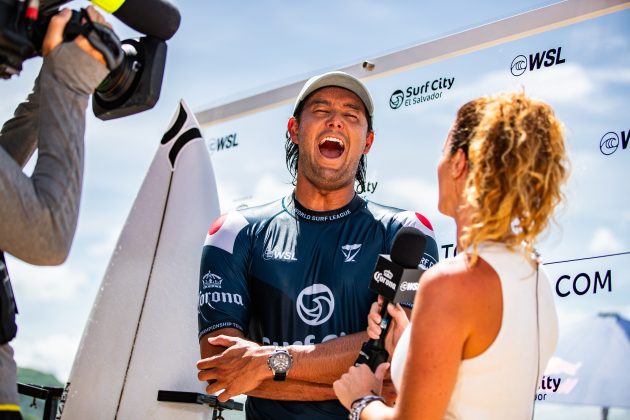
(283, 288)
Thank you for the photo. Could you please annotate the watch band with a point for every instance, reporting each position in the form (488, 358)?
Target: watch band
(279, 375)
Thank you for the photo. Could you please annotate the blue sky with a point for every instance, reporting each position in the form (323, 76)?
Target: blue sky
(224, 51)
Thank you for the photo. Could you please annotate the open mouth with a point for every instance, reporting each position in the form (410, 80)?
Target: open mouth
(331, 147)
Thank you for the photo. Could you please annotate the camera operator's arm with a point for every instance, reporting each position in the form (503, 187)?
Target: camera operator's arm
(18, 136)
(38, 215)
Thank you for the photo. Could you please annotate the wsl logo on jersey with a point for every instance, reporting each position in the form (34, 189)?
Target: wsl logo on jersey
(279, 255)
(315, 304)
(548, 58)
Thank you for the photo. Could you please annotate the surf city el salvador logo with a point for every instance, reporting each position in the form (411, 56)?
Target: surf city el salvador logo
(428, 91)
(315, 304)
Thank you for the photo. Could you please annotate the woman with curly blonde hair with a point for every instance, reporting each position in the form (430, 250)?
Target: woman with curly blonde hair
(484, 323)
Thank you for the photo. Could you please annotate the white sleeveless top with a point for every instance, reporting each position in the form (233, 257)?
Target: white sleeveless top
(501, 382)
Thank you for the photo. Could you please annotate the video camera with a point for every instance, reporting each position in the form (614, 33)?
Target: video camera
(137, 65)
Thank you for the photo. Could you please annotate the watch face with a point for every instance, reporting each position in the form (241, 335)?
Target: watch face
(280, 362)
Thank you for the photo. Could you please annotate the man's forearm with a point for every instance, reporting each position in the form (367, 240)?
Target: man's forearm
(230, 361)
(324, 363)
(293, 390)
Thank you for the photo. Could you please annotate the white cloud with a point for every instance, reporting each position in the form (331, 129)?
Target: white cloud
(565, 84)
(46, 284)
(53, 353)
(605, 241)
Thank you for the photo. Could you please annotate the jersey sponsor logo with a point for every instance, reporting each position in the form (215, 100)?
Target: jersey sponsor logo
(350, 251)
(385, 277)
(309, 339)
(279, 255)
(315, 304)
(208, 298)
(211, 280)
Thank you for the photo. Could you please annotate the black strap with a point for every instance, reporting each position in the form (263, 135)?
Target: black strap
(8, 308)
(100, 36)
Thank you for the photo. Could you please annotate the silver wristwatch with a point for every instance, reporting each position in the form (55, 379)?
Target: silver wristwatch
(279, 363)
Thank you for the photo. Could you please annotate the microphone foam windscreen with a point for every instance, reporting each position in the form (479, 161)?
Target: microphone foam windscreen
(408, 247)
(157, 18)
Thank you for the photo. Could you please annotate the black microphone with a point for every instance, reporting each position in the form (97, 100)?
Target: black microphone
(396, 278)
(157, 18)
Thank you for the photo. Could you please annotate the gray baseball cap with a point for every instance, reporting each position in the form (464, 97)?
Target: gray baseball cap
(339, 79)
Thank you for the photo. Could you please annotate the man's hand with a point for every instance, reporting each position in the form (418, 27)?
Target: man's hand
(54, 34)
(240, 368)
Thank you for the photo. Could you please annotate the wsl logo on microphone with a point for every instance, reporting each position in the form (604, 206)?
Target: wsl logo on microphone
(425, 92)
(610, 142)
(548, 58)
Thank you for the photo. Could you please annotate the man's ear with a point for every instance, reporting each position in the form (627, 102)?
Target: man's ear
(292, 128)
(368, 142)
(459, 164)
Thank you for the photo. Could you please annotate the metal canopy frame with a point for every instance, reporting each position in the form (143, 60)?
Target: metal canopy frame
(505, 30)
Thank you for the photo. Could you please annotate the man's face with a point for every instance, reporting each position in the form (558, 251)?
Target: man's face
(332, 135)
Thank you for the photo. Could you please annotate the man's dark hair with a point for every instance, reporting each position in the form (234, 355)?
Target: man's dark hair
(293, 153)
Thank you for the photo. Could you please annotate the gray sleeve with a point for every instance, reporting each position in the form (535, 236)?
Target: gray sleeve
(18, 136)
(38, 215)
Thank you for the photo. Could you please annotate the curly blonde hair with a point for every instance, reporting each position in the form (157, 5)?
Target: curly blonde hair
(517, 164)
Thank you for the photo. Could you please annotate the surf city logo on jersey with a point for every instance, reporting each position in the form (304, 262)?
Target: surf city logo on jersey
(211, 280)
(350, 252)
(315, 304)
(534, 61)
(609, 143)
(428, 91)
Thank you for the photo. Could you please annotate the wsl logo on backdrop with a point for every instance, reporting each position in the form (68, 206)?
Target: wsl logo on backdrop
(222, 143)
(521, 64)
(428, 91)
(610, 142)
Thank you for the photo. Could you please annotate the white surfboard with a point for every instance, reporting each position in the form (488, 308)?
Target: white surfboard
(141, 335)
